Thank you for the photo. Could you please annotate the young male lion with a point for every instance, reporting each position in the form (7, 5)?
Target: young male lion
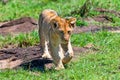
(56, 31)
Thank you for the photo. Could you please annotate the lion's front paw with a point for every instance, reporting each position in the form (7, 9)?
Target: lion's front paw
(46, 55)
(59, 68)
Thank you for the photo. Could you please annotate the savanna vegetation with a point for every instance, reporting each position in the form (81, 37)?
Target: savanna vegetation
(103, 64)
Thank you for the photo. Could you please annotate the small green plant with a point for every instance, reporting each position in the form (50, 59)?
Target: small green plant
(81, 23)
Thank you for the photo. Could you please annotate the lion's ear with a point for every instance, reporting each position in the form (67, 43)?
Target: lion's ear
(54, 23)
(72, 22)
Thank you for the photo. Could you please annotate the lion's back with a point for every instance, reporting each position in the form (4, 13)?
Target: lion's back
(47, 15)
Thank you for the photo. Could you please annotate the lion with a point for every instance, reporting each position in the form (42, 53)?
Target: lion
(55, 31)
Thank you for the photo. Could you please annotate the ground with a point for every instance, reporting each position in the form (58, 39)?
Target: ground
(25, 24)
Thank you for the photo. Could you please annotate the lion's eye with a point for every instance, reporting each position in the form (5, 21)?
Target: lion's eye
(69, 32)
(55, 25)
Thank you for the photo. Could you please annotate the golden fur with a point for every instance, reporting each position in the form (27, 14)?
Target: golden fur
(56, 31)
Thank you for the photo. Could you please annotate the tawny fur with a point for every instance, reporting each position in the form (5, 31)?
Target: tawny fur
(56, 31)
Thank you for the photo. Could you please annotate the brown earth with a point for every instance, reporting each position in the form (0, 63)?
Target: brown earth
(101, 10)
(24, 25)
(94, 28)
(30, 57)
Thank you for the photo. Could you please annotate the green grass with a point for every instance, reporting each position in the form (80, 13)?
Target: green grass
(15, 9)
(21, 40)
(103, 65)
(20, 8)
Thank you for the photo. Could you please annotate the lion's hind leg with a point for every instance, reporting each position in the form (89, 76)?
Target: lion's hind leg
(44, 45)
(45, 50)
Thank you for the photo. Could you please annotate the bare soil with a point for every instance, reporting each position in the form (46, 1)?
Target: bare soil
(30, 57)
(24, 25)
(108, 11)
(94, 28)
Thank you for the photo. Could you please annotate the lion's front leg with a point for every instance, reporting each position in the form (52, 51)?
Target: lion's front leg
(57, 56)
(68, 52)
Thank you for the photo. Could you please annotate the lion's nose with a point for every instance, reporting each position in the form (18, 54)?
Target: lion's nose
(66, 38)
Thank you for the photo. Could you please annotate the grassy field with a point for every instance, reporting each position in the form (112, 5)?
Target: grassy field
(101, 65)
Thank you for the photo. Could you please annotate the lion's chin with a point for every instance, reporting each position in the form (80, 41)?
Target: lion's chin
(64, 42)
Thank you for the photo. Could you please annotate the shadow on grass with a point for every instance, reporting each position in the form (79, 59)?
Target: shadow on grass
(38, 65)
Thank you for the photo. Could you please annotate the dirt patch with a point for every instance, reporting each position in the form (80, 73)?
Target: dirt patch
(86, 29)
(103, 18)
(9, 57)
(29, 57)
(17, 26)
(108, 11)
(94, 28)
